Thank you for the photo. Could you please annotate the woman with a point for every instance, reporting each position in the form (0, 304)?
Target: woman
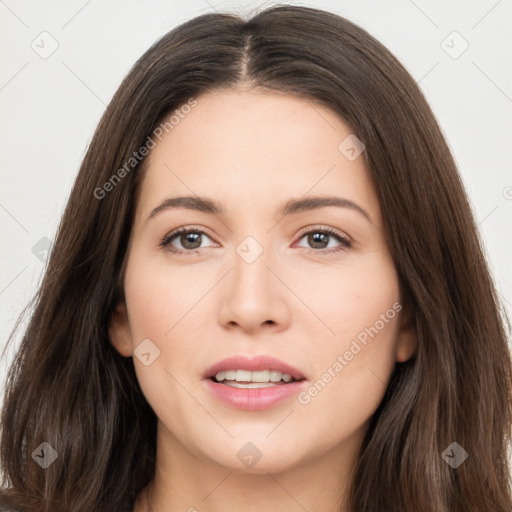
(267, 292)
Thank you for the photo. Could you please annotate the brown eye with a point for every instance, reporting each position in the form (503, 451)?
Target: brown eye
(189, 240)
(318, 240)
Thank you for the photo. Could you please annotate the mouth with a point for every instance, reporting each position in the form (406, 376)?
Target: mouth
(253, 383)
(253, 380)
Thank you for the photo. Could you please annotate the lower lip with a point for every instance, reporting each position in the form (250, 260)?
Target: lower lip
(253, 399)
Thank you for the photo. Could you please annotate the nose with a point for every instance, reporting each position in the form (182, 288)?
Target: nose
(253, 296)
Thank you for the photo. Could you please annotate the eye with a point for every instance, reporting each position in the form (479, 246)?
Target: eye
(321, 238)
(190, 239)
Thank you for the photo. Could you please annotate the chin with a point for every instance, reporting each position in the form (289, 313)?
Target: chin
(254, 458)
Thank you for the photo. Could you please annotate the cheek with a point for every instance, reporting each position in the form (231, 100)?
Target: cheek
(349, 380)
(162, 299)
(353, 297)
(161, 306)
(353, 365)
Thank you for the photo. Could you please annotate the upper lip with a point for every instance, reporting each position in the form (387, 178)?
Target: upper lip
(253, 364)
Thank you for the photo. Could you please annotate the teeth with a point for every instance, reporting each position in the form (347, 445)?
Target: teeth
(249, 385)
(243, 376)
(230, 374)
(259, 377)
(262, 376)
(275, 376)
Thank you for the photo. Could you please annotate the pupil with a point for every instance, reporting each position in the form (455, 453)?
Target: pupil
(194, 237)
(319, 238)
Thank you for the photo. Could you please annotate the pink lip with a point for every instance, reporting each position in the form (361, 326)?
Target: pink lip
(253, 399)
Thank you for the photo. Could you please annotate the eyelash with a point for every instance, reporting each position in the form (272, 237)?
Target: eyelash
(165, 243)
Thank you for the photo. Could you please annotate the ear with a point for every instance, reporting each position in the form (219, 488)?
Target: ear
(119, 330)
(407, 342)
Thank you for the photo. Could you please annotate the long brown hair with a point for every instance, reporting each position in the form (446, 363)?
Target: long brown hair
(68, 386)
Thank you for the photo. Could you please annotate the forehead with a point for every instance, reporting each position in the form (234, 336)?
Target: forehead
(252, 147)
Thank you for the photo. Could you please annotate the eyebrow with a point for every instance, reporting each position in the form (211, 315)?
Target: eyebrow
(203, 204)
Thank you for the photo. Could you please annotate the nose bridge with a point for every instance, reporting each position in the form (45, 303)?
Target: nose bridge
(251, 274)
(254, 295)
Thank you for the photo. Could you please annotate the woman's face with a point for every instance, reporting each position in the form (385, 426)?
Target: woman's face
(271, 273)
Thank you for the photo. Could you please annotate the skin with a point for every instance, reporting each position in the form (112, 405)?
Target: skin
(252, 151)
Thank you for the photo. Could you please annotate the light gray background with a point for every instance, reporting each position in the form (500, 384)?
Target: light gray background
(51, 106)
